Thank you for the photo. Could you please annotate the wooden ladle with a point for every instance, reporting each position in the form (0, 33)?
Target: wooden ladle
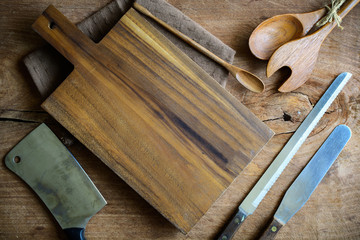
(247, 79)
(300, 55)
(280, 29)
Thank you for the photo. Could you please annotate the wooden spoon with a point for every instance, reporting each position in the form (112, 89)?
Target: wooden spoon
(247, 79)
(300, 55)
(280, 29)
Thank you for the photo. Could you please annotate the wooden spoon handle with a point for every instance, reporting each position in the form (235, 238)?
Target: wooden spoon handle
(182, 36)
(247, 79)
(345, 9)
(309, 19)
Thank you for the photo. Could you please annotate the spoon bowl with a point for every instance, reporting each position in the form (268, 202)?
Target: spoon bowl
(253, 83)
(273, 33)
(280, 29)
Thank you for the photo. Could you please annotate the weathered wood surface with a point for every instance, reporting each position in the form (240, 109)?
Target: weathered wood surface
(161, 123)
(332, 212)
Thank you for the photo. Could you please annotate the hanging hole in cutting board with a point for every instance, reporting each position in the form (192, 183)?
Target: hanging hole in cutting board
(17, 159)
(52, 25)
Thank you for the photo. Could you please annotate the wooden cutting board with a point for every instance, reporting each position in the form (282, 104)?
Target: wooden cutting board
(152, 115)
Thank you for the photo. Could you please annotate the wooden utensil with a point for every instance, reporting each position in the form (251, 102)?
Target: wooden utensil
(300, 55)
(280, 29)
(247, 79)
(152, 115)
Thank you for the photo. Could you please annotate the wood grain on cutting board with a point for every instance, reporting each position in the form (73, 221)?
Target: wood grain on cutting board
(152, 115)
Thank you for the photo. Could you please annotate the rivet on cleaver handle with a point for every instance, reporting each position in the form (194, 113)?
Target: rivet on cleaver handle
(45, 164)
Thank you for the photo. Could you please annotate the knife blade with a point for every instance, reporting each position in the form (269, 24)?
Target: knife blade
(263, 185)
(310, 177)
(45, 164)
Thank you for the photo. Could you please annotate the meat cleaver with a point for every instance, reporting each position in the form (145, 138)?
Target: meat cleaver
(45, 164)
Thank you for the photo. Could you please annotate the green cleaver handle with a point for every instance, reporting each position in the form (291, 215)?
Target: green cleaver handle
(75, 233)
(271, 230)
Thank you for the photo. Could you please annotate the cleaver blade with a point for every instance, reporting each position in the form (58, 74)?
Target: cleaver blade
(46, 165)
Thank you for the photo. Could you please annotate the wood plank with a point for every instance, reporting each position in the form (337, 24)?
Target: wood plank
(152, 115)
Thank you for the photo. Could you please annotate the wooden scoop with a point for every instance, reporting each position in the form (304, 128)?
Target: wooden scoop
(247, 79)
(280, 29)
(300, 55)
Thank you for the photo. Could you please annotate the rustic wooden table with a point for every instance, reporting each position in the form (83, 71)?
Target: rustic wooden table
(332, 212)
